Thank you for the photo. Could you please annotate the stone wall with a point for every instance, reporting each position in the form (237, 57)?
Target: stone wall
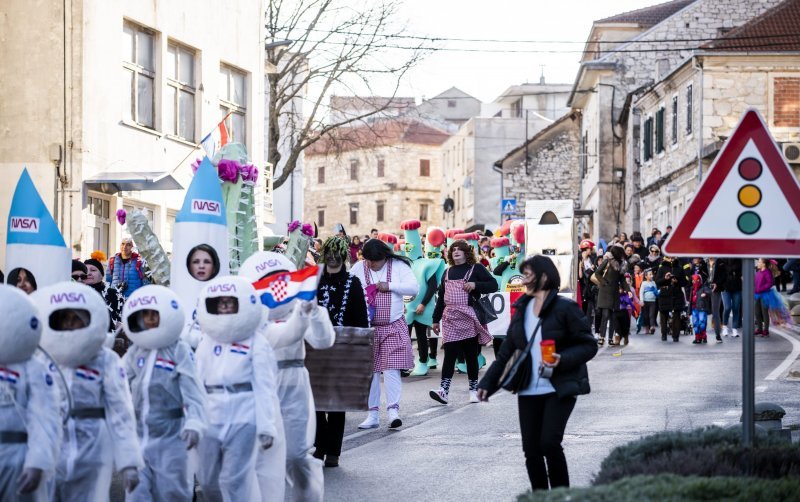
(554, 171)
(401, 189)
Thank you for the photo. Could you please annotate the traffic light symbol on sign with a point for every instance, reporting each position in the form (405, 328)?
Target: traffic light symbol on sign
(749, 222)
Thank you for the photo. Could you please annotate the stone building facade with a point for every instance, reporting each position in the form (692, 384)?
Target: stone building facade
(612, 71)
(553, 168)
(689, 114)
(392, 173)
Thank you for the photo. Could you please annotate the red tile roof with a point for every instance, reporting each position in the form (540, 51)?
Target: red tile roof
(648, 16)
(378, 134)
(776, 30)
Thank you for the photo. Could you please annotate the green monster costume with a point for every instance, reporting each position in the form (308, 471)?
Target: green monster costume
(502, 251)
(428, 269)
(451, 235)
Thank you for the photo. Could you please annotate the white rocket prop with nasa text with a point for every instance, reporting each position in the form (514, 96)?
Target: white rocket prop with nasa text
(33, 240)
(200, 221)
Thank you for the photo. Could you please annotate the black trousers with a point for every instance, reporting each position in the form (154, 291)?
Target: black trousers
(542, 420)
(469, 348)
(330, 432)
(650, 312)
(665, 323)
(496, 343)
(607, 324)
(622, 323)
(423, 343)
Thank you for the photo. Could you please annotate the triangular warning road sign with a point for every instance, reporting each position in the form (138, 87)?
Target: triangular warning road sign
(748, 206)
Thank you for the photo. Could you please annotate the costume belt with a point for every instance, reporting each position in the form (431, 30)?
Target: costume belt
(230, 389)
(291, 363)
(80, 413)
(9, 437)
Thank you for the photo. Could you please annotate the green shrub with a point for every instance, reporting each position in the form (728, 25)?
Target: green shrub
(668, 487)
(703, 452)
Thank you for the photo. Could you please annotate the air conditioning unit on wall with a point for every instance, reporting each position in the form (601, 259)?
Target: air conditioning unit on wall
(791, 152)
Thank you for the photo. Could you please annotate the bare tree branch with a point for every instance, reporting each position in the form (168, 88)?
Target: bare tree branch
(334, 47)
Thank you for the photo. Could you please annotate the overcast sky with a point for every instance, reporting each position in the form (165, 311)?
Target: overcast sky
(487, 74)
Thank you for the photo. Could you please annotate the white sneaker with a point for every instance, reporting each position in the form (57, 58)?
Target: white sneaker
(473, 396)
(373, 421)
(394, 418)
(735, 333)
(438, 395)
(725, 331)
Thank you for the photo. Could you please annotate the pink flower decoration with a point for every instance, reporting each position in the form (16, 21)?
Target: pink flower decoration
(121, 215)
(228, 170)
(249, 173)
(196, 165)
(294, 226)
(308, 230)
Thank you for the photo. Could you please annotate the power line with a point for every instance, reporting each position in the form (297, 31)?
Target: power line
(554, 51)
(506, 41)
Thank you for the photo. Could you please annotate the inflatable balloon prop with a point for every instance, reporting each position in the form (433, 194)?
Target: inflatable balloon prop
(149, 247)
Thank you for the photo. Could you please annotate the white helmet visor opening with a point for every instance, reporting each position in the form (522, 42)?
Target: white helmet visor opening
(222, 305)
(69, 319)
(144, 320)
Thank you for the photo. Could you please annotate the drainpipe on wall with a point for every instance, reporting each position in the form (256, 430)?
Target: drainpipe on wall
(499, 169)
(700, 127)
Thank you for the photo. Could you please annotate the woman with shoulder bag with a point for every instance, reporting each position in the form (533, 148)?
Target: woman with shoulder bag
(462, 332)
(609, 277)
(546, 399)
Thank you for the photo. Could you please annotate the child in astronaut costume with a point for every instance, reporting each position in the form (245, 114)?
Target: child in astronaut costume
(233, 364)
(100, 432)
(167, 395)
(29, 418)
(290, 326)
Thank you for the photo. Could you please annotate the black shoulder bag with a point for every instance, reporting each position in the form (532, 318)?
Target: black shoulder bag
(484, 310)
(517, 374)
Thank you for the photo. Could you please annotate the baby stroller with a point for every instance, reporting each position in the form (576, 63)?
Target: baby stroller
(686, 327)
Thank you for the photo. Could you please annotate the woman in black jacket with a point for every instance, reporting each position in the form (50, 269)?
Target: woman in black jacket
(611, 275)
(342, 296)
(670, 281)
(546, 403)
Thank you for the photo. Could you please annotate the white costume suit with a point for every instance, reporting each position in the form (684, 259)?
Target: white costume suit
(287, 332)
(234, 365)
(101, 430)
(29, 418)
(167, 394)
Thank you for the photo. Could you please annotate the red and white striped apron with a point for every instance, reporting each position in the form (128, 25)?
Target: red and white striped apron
(392, 345)
(459, 321)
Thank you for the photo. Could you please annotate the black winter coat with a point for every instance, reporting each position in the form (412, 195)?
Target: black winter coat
(612, 277)
(562, 321)
(349, 310)
(670, 291)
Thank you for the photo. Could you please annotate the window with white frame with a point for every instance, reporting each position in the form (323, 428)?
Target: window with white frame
(169, 234)
(179, 103)
(99, 222)
(233, 101)
(139, 69)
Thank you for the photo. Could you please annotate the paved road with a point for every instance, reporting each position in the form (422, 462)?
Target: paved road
(472, 451)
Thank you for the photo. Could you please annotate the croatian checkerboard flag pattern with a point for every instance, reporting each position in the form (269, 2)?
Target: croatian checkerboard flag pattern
(280, 289)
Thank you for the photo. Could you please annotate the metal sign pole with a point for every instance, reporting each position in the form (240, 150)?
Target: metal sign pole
(748, 353)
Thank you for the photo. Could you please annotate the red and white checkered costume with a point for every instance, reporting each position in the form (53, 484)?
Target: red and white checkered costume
(459, 321)
(392, 345)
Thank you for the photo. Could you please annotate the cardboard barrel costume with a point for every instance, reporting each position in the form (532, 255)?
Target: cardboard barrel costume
(34, 245)
(428, 269)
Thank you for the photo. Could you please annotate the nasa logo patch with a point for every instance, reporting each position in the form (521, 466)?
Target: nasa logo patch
(253, 299)
(217, 350)
(52, 366)
(140, 362)
(34, 323)
(48, 380)
(122, 373)
(174, 304)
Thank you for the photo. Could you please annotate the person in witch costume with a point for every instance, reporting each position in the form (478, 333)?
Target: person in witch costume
(428, 269)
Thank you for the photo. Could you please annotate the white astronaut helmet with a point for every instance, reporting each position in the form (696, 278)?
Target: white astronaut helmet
(264, 264)
(153, 317)
(75, 319)
(20, 326)
(228, 310)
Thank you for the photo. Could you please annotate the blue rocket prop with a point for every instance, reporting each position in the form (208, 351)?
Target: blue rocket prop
(201, 221)
(33, 240)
